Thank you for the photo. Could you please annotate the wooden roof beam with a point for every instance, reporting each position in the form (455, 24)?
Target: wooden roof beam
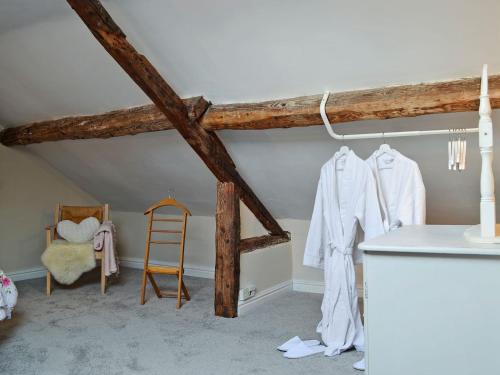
(259, 242)
(129, 121)
(206, 144)
(460, 95)
(380, 103)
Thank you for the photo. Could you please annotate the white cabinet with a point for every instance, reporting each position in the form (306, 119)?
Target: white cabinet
(432, 303)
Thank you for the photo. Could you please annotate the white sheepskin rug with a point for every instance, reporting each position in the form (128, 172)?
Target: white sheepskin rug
(67, 261)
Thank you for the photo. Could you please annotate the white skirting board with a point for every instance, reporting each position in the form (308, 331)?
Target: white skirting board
(27, 274)
(309, 286)
(263, 296)
(296, 285)
(189, 270)
(136, 263)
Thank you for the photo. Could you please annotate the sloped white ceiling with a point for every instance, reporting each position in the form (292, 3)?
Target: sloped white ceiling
(282, 166)
(230, 51)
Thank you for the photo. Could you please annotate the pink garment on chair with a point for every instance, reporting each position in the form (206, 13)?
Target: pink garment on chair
(104, 240)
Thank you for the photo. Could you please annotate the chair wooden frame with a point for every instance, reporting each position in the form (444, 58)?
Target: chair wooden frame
(77, 214)
(178, 271)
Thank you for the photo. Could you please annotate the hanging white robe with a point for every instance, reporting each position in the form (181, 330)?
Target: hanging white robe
(400, 189)
(343, 199)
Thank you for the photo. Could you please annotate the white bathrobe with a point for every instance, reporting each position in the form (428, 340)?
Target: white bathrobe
(400, 188)
(344, 199)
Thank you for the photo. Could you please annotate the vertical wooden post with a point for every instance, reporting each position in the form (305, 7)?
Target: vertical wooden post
(227, 239)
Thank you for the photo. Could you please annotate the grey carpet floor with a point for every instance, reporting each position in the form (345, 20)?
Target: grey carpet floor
(76, 331)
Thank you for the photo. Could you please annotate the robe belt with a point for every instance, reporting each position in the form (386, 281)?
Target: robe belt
(344, 251)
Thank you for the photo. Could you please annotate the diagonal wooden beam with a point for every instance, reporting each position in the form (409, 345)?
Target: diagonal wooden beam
(206, 144)
(253, 243)
(460, 95)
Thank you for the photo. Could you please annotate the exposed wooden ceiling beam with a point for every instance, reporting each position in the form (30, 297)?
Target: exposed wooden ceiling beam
(130, 121)
(206, 144)
(380, 103)
(460, 95)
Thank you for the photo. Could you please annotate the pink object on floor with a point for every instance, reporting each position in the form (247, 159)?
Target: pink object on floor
(8, 296)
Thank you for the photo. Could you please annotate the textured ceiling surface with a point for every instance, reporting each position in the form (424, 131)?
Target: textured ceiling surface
(234, 51)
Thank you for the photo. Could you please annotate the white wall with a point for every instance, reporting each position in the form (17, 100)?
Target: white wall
(299, 229)
(29, 191)
(262, 268)
(199, 251)
(307, 279)
(269, 270)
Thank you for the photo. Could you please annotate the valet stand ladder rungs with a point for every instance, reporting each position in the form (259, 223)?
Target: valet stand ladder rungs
(178, 271)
